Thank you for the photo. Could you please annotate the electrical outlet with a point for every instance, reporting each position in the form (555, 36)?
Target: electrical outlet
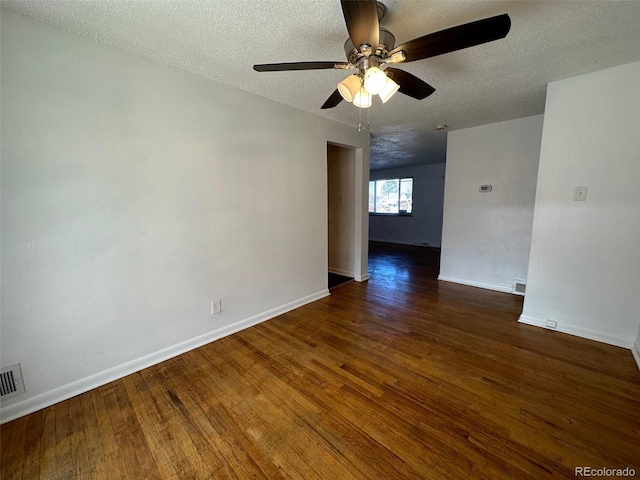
(551, 324)
(216, 306)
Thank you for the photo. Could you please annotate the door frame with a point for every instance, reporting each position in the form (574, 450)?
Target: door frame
(361, 212)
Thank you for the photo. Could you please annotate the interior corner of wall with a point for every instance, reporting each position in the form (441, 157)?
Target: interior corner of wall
(635, 350)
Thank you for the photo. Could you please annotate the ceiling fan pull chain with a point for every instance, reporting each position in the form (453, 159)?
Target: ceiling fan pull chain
(368, 120)
(360, 119)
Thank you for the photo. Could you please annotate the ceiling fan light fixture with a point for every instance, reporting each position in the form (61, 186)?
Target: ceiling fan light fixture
(397, 57)
(349, 87)
(390, 87)
(374, 80)
(362, 99)
(369, 46)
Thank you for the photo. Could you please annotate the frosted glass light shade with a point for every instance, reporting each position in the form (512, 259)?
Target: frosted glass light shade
(362, 99)
(390, 87)
(374, 80)
(349, 87)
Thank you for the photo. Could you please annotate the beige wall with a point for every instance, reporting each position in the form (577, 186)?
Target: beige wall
(134, 194)
(341, 178)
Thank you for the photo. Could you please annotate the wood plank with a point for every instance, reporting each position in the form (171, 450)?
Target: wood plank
(96, 458)
(108, 445)
(15, 439)
(33, 446)
(48, 466)
(132, 447)
(398, 377)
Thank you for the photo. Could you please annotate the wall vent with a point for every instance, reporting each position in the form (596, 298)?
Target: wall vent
(519, 287)
(11, 384)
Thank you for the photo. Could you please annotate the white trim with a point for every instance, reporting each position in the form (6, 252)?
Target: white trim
(474, 283)
(64, 392)
(361, 278)
(339, 271)
(361, 223)
(636, 353)
(596, 335)
(402, 242)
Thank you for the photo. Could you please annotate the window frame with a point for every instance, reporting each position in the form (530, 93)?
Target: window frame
(390, 214)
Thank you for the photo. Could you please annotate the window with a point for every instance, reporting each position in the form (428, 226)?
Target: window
(391, 197)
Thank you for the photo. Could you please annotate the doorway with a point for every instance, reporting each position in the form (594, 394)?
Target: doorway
(341, 207)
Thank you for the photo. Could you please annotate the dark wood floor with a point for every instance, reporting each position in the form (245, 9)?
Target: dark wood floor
(335, 280)
(399, 377)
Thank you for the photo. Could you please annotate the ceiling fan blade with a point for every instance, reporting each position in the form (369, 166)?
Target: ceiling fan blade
(410, 85)
(361, 17)
(456, 38)
(333, 100)
(284, 67)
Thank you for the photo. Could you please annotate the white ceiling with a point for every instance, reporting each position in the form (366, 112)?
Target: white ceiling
(501, 80)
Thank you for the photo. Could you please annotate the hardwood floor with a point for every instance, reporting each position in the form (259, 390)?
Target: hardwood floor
(399, 377)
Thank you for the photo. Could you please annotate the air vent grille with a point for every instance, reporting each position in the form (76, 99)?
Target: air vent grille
(8, 384)
(519, 288)
(11, 383)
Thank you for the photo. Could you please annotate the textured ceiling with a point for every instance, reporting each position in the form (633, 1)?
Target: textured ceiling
(502, 80)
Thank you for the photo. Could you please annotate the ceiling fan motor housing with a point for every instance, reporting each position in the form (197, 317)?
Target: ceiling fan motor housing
(386, 43)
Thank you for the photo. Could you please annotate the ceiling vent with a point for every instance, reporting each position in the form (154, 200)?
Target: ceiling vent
(11, 384)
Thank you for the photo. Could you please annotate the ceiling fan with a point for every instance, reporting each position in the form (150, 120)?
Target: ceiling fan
(370, 47)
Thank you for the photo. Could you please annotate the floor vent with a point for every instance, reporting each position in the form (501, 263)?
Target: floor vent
(11, 384)
(519, 288)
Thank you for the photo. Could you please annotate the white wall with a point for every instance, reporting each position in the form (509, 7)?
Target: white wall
(584, 269)
(486, 236)
(341, 204)
(133, 194)
(425, 224)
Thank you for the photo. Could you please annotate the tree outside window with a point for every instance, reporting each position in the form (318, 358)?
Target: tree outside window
(391, 197)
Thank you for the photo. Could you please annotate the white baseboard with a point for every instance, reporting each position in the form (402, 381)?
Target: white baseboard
(474, 283)
(402, 242)
(636, 353)
(46, 399)
(339, 271)
(362, 278)
(590, 334)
